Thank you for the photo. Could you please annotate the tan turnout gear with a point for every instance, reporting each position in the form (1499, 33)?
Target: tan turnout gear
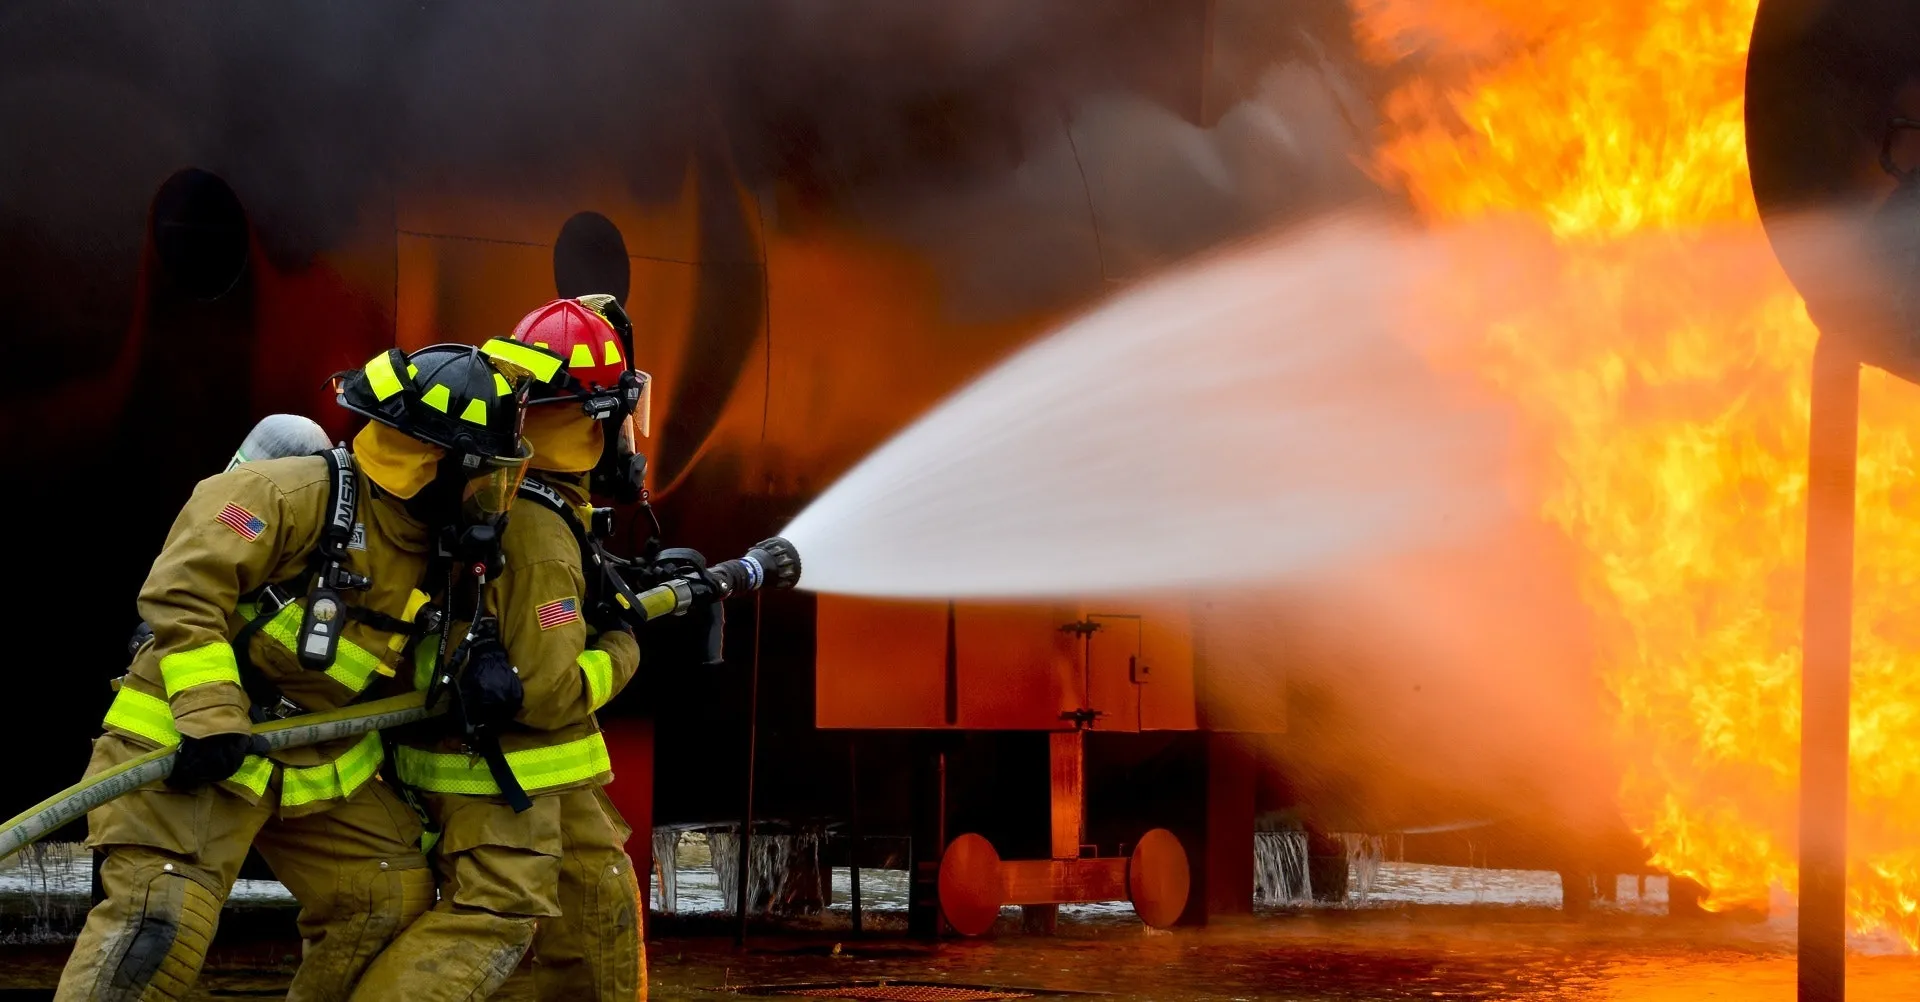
(558, 868)
(355, 868)
(345, 844)
(593, 950)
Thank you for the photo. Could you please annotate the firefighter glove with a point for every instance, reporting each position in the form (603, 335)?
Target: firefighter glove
(489, 688)
(205, 760)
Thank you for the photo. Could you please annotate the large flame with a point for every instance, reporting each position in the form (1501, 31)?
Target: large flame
(1661, 360)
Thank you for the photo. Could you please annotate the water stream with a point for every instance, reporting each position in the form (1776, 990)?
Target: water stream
(1258, 415)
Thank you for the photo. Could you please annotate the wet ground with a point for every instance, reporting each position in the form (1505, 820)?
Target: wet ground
(1423, 933)
(1384, 954)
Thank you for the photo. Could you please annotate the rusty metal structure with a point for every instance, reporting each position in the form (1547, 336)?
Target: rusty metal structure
(817, 239)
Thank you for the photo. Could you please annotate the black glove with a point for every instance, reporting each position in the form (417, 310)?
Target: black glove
(487, 690)
(141, 634)
(205, 760)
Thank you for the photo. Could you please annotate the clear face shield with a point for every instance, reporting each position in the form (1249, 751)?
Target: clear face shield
(490, 487)
(493, 481)
(621, 471)
(641, 419)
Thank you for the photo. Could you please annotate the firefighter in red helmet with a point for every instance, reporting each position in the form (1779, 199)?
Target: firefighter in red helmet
(552, 877)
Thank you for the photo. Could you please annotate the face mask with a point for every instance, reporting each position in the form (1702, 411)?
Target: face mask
(489, 492)
(622, 471)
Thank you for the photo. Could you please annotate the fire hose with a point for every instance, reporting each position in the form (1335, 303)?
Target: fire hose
(53, 813)
(769, 564)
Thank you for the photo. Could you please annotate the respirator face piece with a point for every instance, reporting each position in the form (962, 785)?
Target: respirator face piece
(491, 484)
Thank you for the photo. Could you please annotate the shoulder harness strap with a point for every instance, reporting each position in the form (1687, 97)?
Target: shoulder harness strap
(343, 504)
(325, 617)
(605, 586)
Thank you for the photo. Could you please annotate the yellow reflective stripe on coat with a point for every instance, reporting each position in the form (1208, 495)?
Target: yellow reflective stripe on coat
(254, 772)
(150, 717)
(186, 669)
(353, 665)
(139, 713)
(597, 666)
(536, 768)
(333, 780)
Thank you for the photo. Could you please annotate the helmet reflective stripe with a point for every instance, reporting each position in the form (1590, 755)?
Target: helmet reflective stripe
(544, 365)
(381, 379)
(452, 395)
(613, 353)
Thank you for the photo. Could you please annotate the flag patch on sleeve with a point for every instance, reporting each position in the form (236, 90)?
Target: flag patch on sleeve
(558, 612)
(242, 521)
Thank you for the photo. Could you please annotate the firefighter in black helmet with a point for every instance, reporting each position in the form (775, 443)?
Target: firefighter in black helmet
(289, 586)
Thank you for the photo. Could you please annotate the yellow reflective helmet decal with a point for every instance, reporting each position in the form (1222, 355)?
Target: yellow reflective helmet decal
(437, 397)
(381, 378)
(582, 358)
(612, 353)
(543, 365)
(501, 386)
(475, 411)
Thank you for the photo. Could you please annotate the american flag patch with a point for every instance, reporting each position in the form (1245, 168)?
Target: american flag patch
(242, 521)
(558, 612)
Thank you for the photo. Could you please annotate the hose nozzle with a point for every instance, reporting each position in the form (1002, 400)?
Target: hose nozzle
(771, 563)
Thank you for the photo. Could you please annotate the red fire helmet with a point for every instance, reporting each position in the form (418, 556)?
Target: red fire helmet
(582, 336)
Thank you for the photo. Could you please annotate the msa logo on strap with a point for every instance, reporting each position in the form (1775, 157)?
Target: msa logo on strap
(358, 541)
(544, 493)
(344, 491)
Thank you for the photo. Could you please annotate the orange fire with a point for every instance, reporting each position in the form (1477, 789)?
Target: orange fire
(1660, 362)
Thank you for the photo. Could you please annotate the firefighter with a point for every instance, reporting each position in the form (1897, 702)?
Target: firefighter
(287, 586)
(554, 876)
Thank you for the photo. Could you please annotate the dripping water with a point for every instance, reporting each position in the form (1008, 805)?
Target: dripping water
(1280, 874)
(1365, 853)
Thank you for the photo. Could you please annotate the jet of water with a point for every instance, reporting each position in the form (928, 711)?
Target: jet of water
(1250, 418)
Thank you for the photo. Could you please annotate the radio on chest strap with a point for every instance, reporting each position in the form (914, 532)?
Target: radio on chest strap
(325, 615)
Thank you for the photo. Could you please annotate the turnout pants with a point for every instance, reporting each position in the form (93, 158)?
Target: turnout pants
(171, 858)
(555, 876)
(594, 950)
